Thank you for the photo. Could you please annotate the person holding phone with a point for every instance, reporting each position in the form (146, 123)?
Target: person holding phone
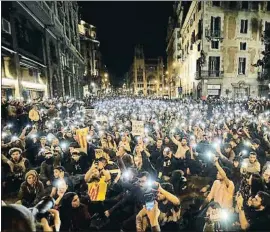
(168, 205)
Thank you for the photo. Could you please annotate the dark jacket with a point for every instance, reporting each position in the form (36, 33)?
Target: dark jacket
(77, 167)
(73, 219)
(46, 170)
(147, 166)
(31, 195)
(166, 167)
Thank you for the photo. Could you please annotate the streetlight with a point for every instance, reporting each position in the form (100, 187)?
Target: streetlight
(93, 84)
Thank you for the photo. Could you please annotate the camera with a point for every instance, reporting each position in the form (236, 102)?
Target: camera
(40, 210)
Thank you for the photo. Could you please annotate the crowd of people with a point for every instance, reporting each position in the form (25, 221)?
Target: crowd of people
(194, 165)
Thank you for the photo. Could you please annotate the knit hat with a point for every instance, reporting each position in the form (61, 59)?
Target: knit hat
(31, 172)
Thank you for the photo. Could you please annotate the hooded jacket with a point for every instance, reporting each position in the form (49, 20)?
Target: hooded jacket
(28, 194)
(73, 219)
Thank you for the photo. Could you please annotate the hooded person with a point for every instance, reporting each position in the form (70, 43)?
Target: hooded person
(73, 214)
(31, 190)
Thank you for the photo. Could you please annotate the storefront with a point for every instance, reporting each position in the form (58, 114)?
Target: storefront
(241, 89)
(33, 90)
(8, 88)
(213, 90)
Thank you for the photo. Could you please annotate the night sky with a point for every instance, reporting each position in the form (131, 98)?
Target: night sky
(122, 25)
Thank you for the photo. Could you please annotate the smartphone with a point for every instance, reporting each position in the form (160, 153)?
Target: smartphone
(149, 205)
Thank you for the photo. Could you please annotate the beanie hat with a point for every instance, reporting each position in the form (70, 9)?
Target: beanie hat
(31, 172)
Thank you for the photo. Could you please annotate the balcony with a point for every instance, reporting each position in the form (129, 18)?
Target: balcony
(41, 10)
(208, 74)
(213, 34)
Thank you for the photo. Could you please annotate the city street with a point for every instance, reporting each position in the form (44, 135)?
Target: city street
(135, 116)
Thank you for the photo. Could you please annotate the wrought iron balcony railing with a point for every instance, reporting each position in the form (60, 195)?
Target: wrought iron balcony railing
(208, 74)
(213, 34)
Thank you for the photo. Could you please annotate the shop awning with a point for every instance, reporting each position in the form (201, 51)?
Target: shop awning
(34, 86)
(8, 82)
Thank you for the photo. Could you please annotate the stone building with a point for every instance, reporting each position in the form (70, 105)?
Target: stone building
(90, 52)
(218, 45)
(40, 49)
(146, 76)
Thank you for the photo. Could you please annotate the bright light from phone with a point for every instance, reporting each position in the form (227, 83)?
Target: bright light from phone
(63, 145)
(150, 183)
(244, 164)
(127, 174)
(247, 143)
(224, 214)
(14, 138)
(210, 155)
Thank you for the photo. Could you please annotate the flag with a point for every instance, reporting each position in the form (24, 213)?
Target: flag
(81, 136)
(97, 190)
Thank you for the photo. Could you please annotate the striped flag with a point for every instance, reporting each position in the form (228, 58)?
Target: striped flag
(81, 136)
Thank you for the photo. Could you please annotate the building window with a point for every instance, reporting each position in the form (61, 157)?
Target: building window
(200, 29)
(214, 44)
(243, 46)
(268, 6)
(199, 47)
(214, 64)
(199, 6)
(215, 26)
(233, 5)
(255, 5)
(216, 3)
(244, 26)
(193, 38)
(244, 5)
(242, 66)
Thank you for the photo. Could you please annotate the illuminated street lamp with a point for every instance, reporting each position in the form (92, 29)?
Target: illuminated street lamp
(93, 84)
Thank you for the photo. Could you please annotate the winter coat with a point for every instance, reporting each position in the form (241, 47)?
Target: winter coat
(28, 194)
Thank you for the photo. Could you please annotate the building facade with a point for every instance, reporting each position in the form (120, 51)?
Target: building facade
(172, 75)
(146, 76)
(90, 52)
(218, 46)
(40, 50)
